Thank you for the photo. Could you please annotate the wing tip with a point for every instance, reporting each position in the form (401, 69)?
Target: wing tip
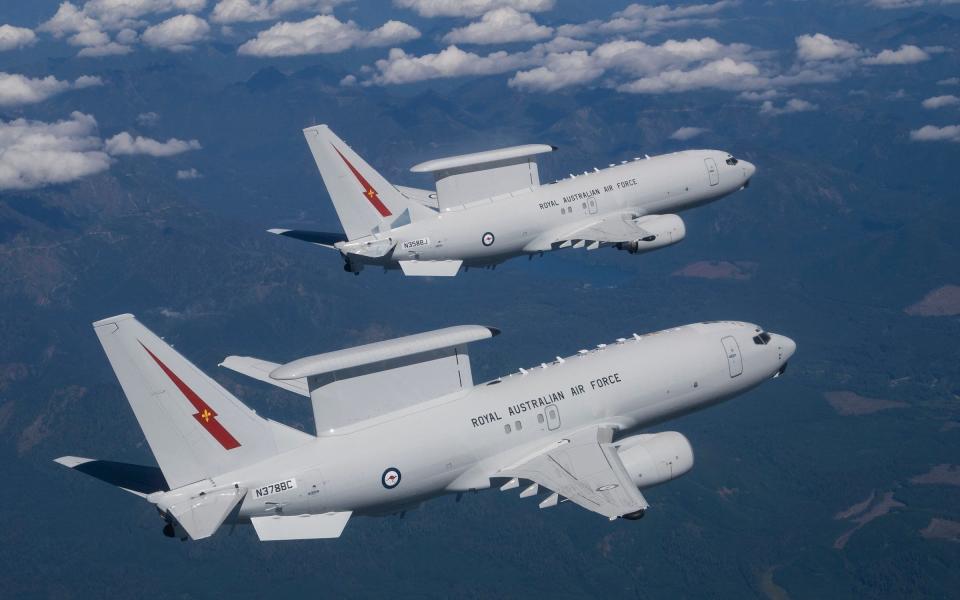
(72, 462)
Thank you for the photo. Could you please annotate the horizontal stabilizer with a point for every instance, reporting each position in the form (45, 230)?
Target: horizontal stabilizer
(300, 527)
(261, 369)
(136, 479)
(430, 268)
(321, 238)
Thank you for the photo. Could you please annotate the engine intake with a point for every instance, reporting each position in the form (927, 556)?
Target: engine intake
(663, 230)
(652, 459)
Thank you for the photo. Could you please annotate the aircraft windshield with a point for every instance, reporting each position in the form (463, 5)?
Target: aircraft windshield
(732, 161)
(762, 339)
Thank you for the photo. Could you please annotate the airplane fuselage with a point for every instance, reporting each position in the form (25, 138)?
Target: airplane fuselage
(491, 230)
(458, 442)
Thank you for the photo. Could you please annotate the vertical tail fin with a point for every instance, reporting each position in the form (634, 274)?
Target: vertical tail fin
(196, 429)
(365, 202)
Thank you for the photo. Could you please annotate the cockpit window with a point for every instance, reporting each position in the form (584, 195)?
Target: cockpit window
(762, 339)
(732, 161)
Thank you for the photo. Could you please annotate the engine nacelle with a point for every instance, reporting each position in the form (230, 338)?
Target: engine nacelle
(652, 459)
(664, 230)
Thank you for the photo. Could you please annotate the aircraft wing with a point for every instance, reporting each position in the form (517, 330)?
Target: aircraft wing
(583, 467)
(591, 232)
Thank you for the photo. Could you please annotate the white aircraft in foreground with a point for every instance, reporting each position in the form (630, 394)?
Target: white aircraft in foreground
(400, 421)
(490, 206)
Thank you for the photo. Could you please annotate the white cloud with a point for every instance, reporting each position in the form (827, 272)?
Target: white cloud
(752, 96)
(176, 33)
(949, 81)
(17, 89)
(905, 55)
(108, 49)
(12, 37)
(400, 67)
(90, 25)
(940, 101)
(818, 47)
(932, 133)
(148, 119)
(793, 105)
(35, 153)
(126, 144)
(686, 133)
(892, 4)
(470, 8)
(237, 11)
(348, 80)
(725, 73)
(188, 174)
(500, 26)
(559, 71)
(646, 19)
(324, 34)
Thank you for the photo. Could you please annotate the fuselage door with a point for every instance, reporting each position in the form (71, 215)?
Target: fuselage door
(712, 171)
(732, 350)
(553, 417)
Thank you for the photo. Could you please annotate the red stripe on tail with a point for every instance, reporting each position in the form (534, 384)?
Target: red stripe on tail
(205, 415)
(368, 191)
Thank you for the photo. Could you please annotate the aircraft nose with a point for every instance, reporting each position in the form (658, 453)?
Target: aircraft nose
(787, 347)
(748, 169)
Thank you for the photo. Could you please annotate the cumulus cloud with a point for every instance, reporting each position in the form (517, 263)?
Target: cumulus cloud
(906, 54)
(470, 8)
(324, 34)
(725, 73)
(500, 26)
(560, 70)
(237, 11)
(148, 119)
(35, 153)
(793, 105)
(176, 33)
(686, 133)
(400, 67)
(12, 37)
(753, 96)
(892, 4)
(126, 144)
(940, 101)
(188, 174)
(17, 89)
(660, 67)
(646, 19)
(818, 47)
(949, 81)
(91, 25)
(932, 133)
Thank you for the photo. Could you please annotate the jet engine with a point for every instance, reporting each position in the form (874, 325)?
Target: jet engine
(652, 459)
(662, 230)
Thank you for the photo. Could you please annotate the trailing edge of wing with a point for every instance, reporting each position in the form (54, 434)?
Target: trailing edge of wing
(321, 238)
(585, 468)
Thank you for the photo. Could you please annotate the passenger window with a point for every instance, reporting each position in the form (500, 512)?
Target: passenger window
(506, 428)
(540, 418)
(519, 425)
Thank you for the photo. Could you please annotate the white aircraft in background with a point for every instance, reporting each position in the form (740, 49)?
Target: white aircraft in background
(400, 421)
(490, 206)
